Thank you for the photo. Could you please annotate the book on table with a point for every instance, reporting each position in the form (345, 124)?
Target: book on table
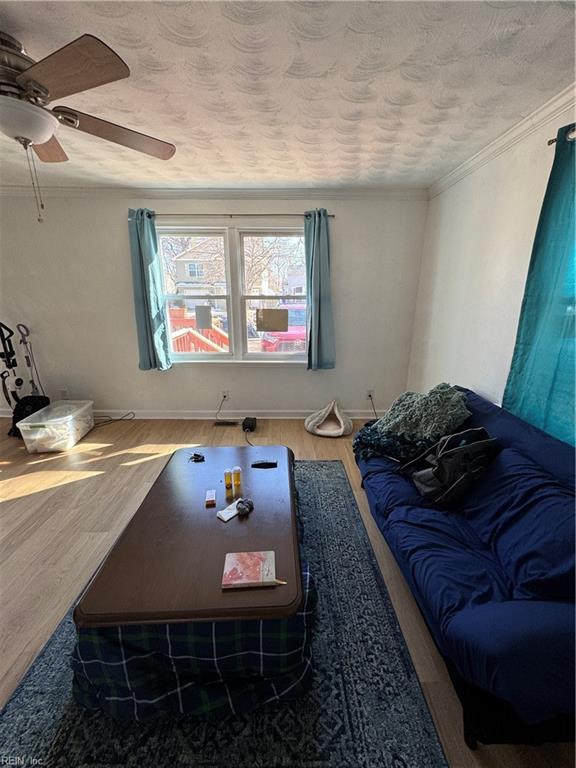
(249, 569)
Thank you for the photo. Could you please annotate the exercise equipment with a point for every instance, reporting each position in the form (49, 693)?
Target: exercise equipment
(13, 384)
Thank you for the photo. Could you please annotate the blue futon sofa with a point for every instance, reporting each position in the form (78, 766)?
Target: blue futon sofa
(494, 578)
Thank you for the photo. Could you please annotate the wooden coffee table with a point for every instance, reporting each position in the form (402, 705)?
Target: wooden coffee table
(167, 564)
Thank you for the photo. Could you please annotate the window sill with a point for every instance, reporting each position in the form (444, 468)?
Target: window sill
(301, 363)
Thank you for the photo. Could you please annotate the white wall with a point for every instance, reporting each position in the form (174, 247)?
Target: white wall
(478, 240)
(70, 280)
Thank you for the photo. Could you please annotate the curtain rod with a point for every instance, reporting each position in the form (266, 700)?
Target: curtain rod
(570, 136)
(239, 215)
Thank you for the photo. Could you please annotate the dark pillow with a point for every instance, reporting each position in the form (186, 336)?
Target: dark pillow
(527, 518)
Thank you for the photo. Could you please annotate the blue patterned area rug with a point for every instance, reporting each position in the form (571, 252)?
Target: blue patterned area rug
(365, 708)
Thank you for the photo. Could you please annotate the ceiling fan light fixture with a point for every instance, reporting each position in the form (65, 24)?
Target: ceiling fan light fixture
(20, 119)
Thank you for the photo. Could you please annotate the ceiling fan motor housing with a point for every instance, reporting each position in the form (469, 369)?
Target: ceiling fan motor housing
(19, 118)
(13, 61)
(13, 57)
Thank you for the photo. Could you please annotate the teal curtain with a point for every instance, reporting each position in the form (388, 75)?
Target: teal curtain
(151, 324)
(320, 322)
(540, 387)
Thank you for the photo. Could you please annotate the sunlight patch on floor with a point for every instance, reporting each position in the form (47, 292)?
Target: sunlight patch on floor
(162, 450)
(33, 482)
(75, 451)
(150, 451)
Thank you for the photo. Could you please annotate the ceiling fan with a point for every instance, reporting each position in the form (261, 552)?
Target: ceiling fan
(27, 86)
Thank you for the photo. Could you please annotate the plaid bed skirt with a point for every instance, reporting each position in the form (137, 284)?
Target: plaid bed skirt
(197, 668)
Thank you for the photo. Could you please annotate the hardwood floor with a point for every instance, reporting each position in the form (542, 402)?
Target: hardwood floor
(61, 513)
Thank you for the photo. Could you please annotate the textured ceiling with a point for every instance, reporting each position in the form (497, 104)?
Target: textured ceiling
(270, 94)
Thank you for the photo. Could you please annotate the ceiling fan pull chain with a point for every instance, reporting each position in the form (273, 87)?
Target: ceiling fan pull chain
(33, 179)
(40, 201)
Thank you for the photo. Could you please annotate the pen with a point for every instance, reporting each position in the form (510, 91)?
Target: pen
(279, 582)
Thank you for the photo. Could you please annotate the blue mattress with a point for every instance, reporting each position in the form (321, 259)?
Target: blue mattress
(494, 579)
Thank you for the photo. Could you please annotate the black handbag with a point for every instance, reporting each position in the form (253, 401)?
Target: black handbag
(444, 473)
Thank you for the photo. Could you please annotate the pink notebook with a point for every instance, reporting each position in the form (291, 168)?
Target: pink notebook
(249, 569)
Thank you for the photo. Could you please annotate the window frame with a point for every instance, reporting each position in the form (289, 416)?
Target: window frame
(236, 300)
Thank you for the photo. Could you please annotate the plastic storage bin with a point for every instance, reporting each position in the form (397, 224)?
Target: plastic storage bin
(57, 427)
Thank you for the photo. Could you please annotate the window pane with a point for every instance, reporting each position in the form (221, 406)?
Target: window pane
(274, 264)
(195, 269)
(198, 325)
(289, 341)
(194, 265)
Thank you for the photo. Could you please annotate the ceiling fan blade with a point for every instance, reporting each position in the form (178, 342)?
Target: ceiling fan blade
(82, 64)
(51, 151)
(116, 133)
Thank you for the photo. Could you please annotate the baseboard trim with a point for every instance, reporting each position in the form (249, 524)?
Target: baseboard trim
(208, 415)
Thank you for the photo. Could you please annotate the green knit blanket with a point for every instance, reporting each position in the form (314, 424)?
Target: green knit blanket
(413, 422)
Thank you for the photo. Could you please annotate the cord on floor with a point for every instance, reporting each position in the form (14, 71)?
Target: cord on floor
(371, 398)
(223, 422)
(128, 416)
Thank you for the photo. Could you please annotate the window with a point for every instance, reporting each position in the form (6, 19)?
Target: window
(195, 269)
(235, 294)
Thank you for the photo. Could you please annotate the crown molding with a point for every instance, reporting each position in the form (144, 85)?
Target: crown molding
(163, 193)
(547, 113)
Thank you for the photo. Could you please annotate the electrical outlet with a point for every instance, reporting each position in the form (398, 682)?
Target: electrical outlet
(63, 393)
(225, 394)
(369, 394)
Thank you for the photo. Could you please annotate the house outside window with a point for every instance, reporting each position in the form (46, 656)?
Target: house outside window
(234, 294)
